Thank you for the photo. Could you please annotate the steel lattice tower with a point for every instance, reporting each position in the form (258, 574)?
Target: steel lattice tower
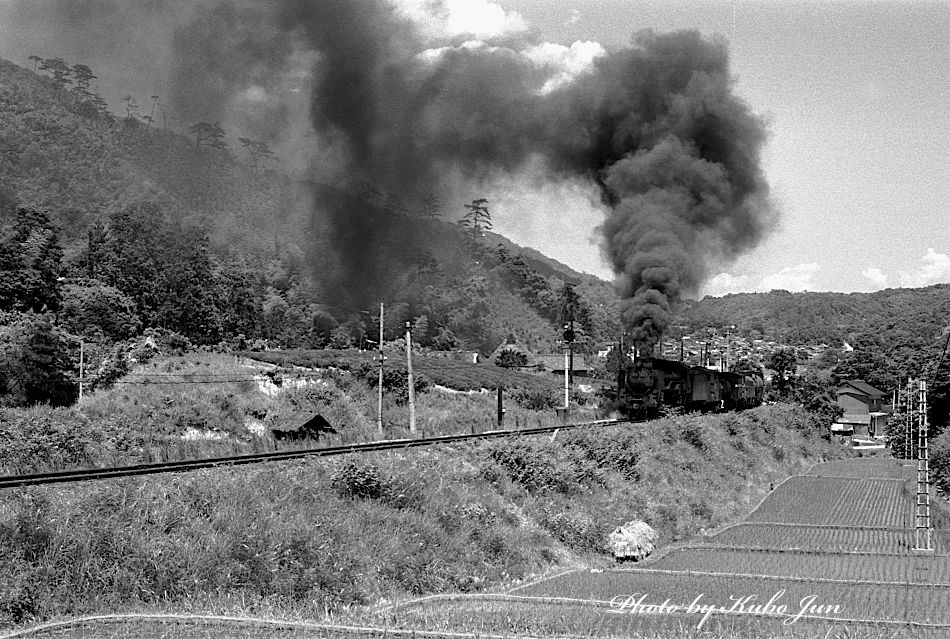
(923, 530)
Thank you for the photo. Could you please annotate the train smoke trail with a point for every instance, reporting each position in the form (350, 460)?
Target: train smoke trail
(655, 125)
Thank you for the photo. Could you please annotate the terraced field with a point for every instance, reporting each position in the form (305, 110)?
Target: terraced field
(837, 501)
(874, 467)
(892, 568)
(839, 538)
(483, 617)
(848, 600)
(820, 539)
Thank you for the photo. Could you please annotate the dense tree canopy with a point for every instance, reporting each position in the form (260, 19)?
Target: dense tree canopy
(30, 262)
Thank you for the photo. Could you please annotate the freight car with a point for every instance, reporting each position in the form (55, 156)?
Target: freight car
(648, 384)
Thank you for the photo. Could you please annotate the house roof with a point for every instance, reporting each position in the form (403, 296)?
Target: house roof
(854, 418)
(862, 387)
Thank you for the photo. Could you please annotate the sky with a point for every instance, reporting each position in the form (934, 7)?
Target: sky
(855, 96)
(857, 100)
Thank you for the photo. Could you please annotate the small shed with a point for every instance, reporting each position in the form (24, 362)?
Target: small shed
(843, 432)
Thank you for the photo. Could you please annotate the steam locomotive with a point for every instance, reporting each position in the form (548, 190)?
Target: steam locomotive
(647, 384)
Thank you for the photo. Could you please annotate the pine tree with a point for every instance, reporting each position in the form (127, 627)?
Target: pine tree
(82, 76)
(59, 69)
(477, 220)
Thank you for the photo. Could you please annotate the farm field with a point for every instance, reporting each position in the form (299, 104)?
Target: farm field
(837, 501)
(839, 538)
(450, 373)
(485, 616)
(854, 601)
(798, 565)
(874, 467)
(821, 538)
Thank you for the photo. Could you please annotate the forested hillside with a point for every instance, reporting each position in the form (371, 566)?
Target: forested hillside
(894, 333)
(114, 224)
(900, 316)
(883, 337)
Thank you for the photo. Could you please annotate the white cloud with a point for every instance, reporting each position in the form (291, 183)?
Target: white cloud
(934, 269)
(565, 63)
(876, 275)
(432, 55)
(479, 18)
(575, 17)
(559, 64)
(725, 283)
(792, 278)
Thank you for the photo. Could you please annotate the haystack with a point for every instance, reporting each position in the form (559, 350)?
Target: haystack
(634, 540)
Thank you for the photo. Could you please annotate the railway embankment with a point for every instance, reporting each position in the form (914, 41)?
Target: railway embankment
(324, 537)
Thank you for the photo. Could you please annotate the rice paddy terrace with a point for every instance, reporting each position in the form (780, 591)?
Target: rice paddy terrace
(833, 547)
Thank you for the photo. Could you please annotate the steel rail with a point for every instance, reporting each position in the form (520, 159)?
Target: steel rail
(90, 474)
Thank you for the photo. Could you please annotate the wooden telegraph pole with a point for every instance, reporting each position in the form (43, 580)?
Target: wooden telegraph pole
(82, 349)
(382, 358)
(412, 389)
(567, 386)
(568, 361)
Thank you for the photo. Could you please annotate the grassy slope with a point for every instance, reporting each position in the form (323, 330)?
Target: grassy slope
(305, 538)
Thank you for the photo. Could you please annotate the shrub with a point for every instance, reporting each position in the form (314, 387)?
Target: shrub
(615, 451)
(692, 434)
(534, 398)
(354, 481)
(940, 461)
(47, 438)
(578, 530)
(539, 466)
(731, 424)
(19, 600)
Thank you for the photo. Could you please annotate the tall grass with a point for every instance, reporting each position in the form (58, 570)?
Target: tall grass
(322, 536)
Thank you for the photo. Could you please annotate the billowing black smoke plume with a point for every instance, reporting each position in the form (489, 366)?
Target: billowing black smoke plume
(655, 125)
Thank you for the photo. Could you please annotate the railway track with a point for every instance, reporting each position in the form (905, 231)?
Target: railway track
(90, 474)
